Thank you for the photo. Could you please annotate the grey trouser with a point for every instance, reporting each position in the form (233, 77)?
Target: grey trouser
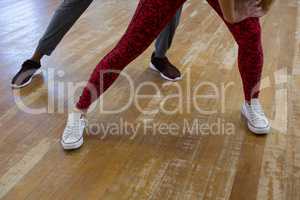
(68, 13)
(165, 38)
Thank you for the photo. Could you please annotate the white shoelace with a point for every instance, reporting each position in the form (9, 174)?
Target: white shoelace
(73, 128)
(256, 113)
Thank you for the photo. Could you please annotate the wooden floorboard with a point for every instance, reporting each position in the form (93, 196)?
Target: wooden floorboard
(147, 165)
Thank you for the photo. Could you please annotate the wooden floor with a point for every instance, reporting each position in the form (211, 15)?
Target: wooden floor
(187, 166)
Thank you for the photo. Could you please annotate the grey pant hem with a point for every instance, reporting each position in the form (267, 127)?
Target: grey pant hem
(44, 51)
(165, 38)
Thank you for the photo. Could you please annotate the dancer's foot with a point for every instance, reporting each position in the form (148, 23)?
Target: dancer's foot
(166, 69)
(72, 137)
(24, 77)
(256, 120)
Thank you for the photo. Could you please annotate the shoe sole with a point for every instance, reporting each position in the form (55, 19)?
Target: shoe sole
(257, 131)
(72, 146)
(162, 75)
(39, 71)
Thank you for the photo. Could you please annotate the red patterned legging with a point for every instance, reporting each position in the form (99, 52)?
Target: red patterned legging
(150, 18)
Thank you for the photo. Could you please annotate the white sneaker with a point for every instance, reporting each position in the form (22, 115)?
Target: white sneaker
(72, 137)
(256, 119)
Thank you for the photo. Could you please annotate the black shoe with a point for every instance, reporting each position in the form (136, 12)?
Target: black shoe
(166, 69)
(28, 70)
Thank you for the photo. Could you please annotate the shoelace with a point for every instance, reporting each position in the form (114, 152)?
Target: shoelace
(258, 109)
(73, 127)
(256, 112)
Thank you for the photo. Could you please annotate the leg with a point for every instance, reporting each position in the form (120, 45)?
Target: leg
(165, 38)
(250, 56)
(64, 18)
(250, 60)
(62, 21)
(159, 60)
(150, 18)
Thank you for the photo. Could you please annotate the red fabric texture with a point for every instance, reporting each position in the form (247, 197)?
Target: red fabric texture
(150, 17)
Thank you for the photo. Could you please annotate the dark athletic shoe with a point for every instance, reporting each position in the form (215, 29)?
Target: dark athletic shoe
(28, 70)
(165, 68)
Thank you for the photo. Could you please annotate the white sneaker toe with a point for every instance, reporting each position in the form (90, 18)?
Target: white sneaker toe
(72, 137)
(256, 120)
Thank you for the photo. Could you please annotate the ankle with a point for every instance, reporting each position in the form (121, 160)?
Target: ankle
(250, 100)
(35, 60)
(37, 57)
(158, 55)
(82, 112)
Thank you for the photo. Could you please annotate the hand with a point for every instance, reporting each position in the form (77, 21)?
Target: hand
(246, 9)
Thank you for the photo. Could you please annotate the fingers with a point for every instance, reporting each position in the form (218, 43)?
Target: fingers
(257, 12)
(255, 9)
(260, 13)
(253, 3)
(259, 1)
(250, 8)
